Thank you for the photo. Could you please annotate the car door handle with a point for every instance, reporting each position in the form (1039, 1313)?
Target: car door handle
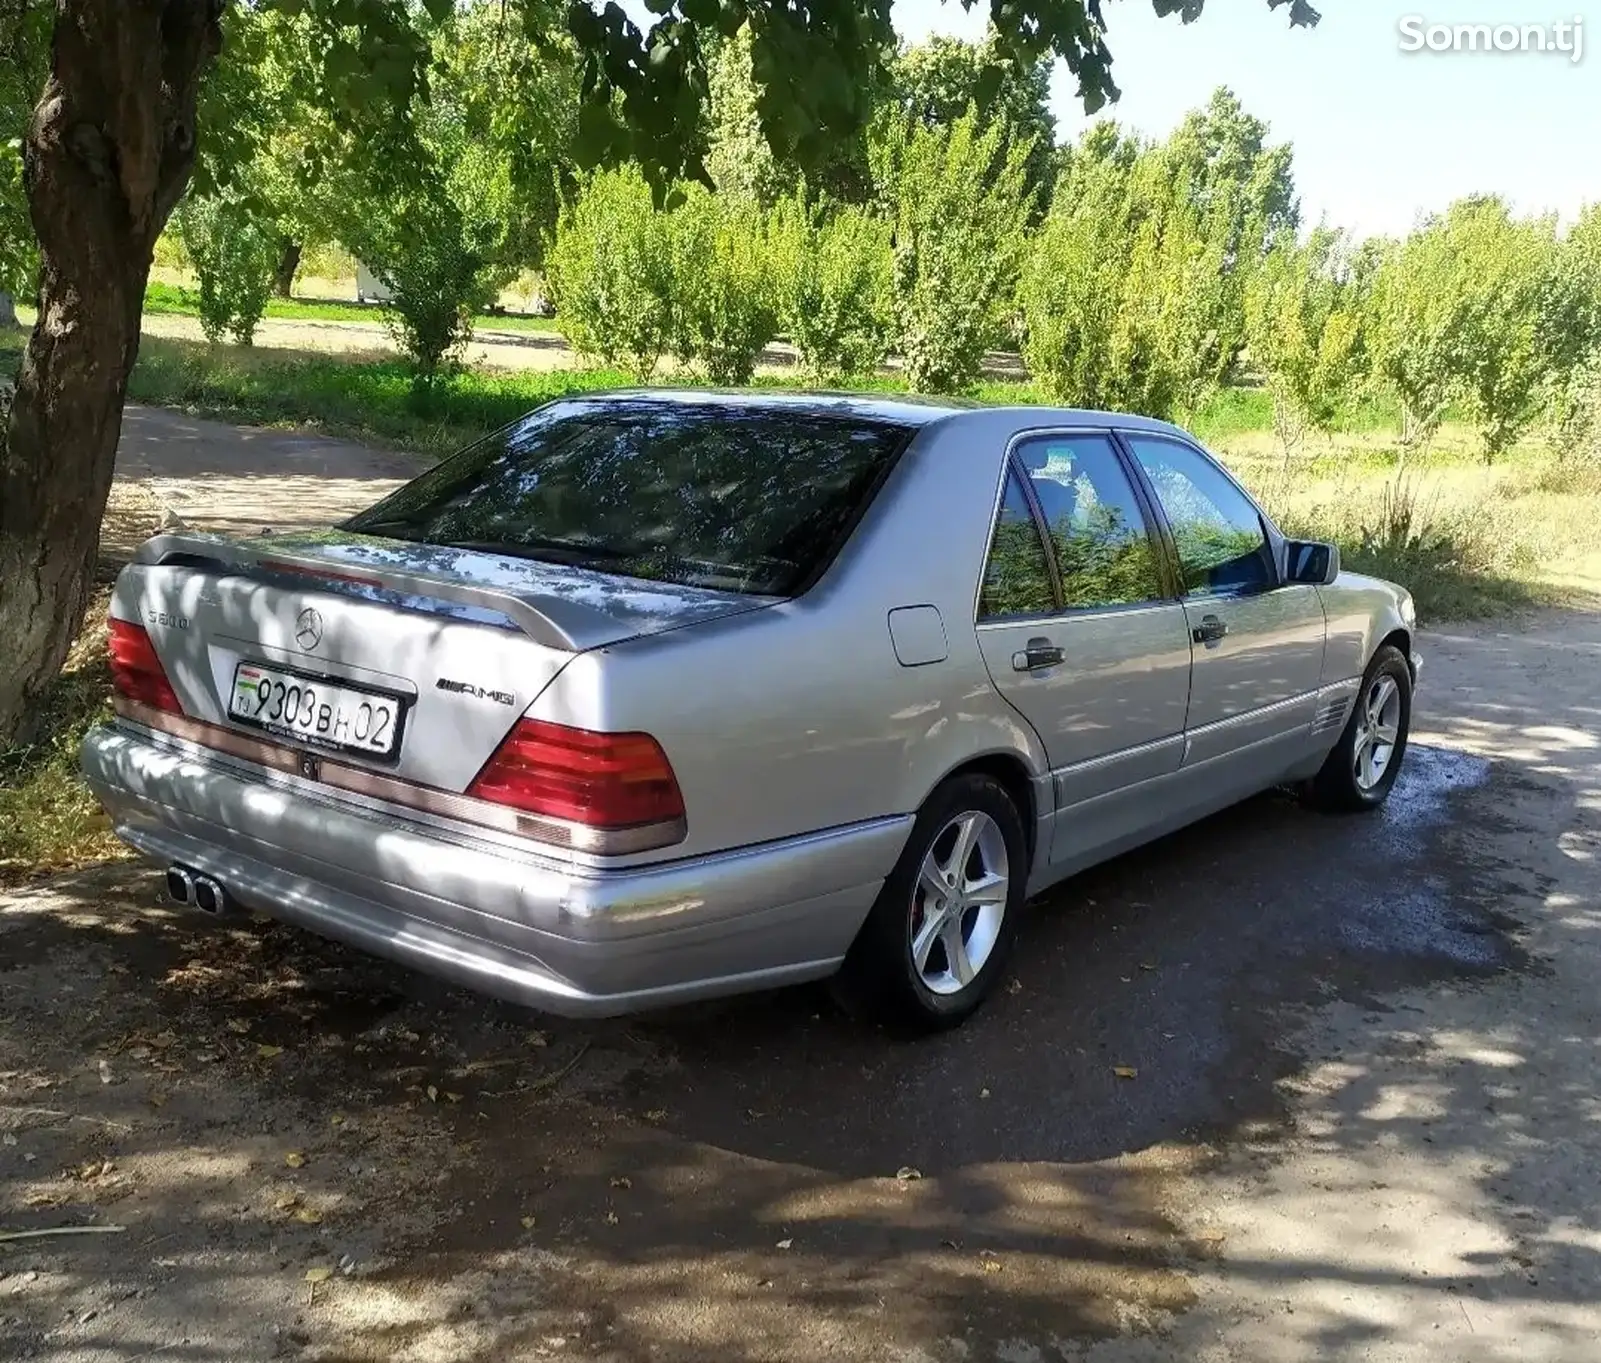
(1037, 653)
(1209, 631)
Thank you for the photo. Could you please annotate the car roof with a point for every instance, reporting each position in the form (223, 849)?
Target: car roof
(901, 408)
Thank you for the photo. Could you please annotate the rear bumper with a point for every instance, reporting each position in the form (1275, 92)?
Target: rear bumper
(495, 916)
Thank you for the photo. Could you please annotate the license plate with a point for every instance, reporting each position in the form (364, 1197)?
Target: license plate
(316, 711)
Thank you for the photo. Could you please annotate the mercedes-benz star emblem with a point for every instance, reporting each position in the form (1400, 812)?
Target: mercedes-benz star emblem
(308, 628)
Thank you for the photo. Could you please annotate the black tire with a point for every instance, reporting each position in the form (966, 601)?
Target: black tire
(880, 976)
(1337, 787)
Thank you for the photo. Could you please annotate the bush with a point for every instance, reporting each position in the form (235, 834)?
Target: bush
(959, 200)
(1455, 558)
(1573, 414)
(832, 273)
(19, 252)
(1123, 291)
(722, 293)
(438, 278)
(233, 255)
(610, 272)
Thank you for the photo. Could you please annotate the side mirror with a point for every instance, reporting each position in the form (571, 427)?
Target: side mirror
(1312, 562)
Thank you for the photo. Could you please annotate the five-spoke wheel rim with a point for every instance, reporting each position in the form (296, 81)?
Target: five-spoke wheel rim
(1378, 731)
(959, 902)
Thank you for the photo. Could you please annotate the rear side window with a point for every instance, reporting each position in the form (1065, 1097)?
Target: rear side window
(753, 500)
(1017, 578)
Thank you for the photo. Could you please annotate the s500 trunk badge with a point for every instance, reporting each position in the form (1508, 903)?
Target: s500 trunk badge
(308, 628)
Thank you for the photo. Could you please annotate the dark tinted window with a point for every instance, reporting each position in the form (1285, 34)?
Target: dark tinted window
(1221, 543)
(1103, 551)
(753, 500)
(1017, 578)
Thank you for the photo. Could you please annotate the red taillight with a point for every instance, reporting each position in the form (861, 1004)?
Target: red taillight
(600, 780)
(136, 671)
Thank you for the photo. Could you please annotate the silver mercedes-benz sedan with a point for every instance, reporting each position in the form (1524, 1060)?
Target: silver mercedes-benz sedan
(653, 696)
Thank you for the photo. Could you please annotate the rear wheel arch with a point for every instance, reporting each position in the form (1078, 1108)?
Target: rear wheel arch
(1011, 772)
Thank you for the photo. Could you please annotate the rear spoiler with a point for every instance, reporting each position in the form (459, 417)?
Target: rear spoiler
(558, 627)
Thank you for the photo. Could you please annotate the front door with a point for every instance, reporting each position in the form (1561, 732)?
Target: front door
(1082, 634)
(1258, 642)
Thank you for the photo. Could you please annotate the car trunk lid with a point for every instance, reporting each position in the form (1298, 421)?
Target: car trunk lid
(450, 645)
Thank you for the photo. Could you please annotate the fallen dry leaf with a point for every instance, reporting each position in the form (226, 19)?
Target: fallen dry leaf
(267, 1052)
(285, 1201)
(983, 1093)
(1014, 986)
(452, 1097)
(785, 1244)
(336, 1120)
(1211, 1237)
(1125, 1072)
(433, 1094)
(308, 1216)
(295, 1160)
(538, 1039)
(611, 1218)
(622, 1181)
(907, 1174)
(1147, 965)
(656, 1114)
(238, 1026)
(320, 1274)
(528, 1223)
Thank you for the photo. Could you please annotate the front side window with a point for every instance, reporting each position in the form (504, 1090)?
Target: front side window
(1103, 550)
(752, 500)
(1017, 578)
(1222, 546)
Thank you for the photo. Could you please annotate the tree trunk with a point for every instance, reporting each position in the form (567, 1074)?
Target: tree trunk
(283, 275)
(108, 153)
(8, 310)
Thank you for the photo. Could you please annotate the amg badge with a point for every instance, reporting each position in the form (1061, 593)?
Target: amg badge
(462, 688)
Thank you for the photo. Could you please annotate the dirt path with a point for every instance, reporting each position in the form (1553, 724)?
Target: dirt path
(1364, 1124)
(240, 478)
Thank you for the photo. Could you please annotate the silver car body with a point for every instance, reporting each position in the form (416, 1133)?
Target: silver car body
(804, 732)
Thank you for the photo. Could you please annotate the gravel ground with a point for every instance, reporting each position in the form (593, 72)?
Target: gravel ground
(1363, 1123)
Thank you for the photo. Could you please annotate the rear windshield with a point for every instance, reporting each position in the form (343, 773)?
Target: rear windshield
(751, 501)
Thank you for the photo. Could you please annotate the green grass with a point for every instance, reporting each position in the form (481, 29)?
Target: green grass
(374, 400)
(172, 299)
(48, 819)
(370, 400)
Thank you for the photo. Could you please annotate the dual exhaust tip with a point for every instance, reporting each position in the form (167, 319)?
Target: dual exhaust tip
(198, 891)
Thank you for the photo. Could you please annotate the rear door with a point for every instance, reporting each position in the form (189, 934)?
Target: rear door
(1258, 641)
(1081, 629)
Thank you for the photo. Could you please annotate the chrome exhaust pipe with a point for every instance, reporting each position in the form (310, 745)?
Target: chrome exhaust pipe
(180, 885)
(210, 897)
